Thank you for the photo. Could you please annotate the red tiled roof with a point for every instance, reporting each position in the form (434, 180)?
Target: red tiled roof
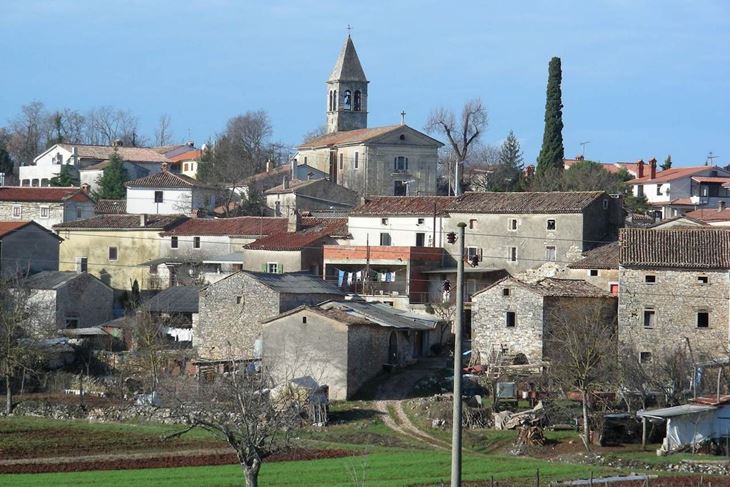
(710, 215)
(103, 152)
(403, 205)
(301, 239)
(10, 227)
(669, 174)
(165, 179)
(710, 179)
(676, 247)
(348, 137)
(187, 156)
(552, 202)
(124, 222)
(238, 226)
(113, 207)
(42, 195)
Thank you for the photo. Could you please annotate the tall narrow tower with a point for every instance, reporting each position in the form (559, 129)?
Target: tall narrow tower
(347, 92)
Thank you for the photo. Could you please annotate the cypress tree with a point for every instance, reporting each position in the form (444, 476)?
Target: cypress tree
(667, 163)
(552, 152)
(111, 183)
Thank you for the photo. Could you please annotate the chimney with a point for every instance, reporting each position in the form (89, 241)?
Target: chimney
(117, 143)
(190, 144)
(75, 156)
(579, 157)
(143, 220)
(285, 183)
(652, 168)
(640, 171)
(721, 206)
(163, 167)
(268, 165)
(294, 220)
(530, 170)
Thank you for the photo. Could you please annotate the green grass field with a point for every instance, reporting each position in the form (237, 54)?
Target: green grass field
(384, 468)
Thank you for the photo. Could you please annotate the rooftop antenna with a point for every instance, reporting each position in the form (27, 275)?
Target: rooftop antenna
(710, 158)
(583, 147)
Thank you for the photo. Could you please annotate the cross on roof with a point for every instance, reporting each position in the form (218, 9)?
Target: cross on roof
(349, 30)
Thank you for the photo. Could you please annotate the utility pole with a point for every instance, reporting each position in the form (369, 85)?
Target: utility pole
(458, 326)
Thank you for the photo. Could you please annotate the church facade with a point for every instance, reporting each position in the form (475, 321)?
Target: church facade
(394, 160)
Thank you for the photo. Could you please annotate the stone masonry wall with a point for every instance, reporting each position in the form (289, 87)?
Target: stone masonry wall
(676, 297)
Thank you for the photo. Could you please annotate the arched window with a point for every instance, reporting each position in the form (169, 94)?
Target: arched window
(348, 100)
(358, 101)
(329, 105)
(334, 101)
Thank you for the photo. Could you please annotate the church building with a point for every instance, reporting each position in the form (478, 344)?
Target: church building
(395, 160)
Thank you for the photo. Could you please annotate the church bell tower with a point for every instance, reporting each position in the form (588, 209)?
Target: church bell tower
(347, 92)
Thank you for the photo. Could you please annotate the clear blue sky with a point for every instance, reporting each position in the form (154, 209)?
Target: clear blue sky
(640, 78)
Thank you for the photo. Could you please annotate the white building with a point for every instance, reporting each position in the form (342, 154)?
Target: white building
(166, 193)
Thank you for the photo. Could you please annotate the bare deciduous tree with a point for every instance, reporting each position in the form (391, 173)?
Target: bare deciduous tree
(29, 132)
(583, 352)
(163, 132)
(107, 124)
(461, 133)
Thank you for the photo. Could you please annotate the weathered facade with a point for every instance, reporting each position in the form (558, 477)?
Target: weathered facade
(45, 206)
(232, 309)
(26, 248)
(599, 267)
(513, 317)
(309, 195)
(674, 288)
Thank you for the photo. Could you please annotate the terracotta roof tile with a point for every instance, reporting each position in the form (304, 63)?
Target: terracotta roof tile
(348, 137)
(670, 174)
(187, 156)
(603, 257)
(10, 227)
(710, 215)
(125, 222)
(554, 202)
(684, 248)
(102, 152)
(301, 239)
(111, 207)
(710, 179)
(238, 226)
(403, 205)
(165, 179)
(42, 195)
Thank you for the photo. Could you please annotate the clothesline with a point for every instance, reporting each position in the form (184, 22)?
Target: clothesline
(358, 276)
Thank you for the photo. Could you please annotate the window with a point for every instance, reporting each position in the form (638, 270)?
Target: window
(550, 253)
(650, 279)
(512, 256)
(593, 272)
(658, 189)
(421, 221)
(513, 224)
(82, 264)
(472, 252)
(385, 239)
(196, 242)
(605, 204)
(173, 242)
(347, 100)
(401, 164)
(158, 197)
(357, 160)
(78, 212)
(17, 211)
(383, 221)
(510, 319)
(399, 188)
(71, 321)
(304, 320)
(645, 357)
(420, 239)
(703, 279)
(272, 267)
(550, 224)
(342, 161)
(505, 291)
(185, 166)
(472, 223)
(45, 212)
(305, 160)
(703, 319)
(358, 101)
(239, 299)
(113, 253)
(649, 318)
(153, 269)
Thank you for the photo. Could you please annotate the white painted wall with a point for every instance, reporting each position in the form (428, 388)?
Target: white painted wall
(402, 230)
(174, 200)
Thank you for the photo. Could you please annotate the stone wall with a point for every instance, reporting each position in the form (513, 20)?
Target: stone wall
(29, 249)
(676, 297)
(368, 353)
(85, 298)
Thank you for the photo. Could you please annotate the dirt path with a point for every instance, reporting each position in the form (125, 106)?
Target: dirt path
(393, 393)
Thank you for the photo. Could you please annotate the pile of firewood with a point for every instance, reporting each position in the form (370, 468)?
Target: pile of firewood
(530, 436)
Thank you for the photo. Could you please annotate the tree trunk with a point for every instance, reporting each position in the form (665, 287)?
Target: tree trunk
(251, 474)
(586, 427)
(8, 393)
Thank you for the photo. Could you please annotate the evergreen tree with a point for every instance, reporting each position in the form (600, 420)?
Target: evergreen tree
(66, 178)
(510, 153)
(6, 163)
(667, 163)
(507, 174)
(111, 183)
(552, 152)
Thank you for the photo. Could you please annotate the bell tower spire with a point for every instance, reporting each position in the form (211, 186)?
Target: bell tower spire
(347, 91)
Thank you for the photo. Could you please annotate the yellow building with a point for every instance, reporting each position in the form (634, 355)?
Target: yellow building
(114, 247)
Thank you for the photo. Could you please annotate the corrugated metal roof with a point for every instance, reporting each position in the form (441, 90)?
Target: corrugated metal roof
(296, 283)
(384, 315)
(675, 411)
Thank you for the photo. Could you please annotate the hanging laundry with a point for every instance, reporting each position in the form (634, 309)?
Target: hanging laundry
(340, 278)
(349, 278)
(358, 276)
(391, 276)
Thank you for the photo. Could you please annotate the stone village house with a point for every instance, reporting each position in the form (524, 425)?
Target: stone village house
(26, 248)
(345, 344)
(168, 193)
(674, 288)
(231, 310)
(513, 317)
(309, 195)
(45, 206)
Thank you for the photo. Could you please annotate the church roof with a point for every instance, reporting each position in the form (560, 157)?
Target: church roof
(359, 136)
(348, 67)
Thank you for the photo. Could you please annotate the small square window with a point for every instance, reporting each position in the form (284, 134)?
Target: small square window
(45, 212)
(513, 254)
(383, 221)
(385, 239)
(513, 224)
(510, 319)
(304, 319)
(272, 268)
(158, 196)
(645, 357)
(113, 253)
(550, 253)
(551, 224)
(472, 223)
(72, 322)
(173, 242)
(421, 221)
(650, 279)
(357, 161)
(703, 319)
(17, 211)
(505, 291)
(649, 318)
(196, 242)
(82, 264)
(593, 272)
(703, 279)
(239, 299)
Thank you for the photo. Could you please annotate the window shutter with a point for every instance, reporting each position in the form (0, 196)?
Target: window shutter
(406, 163)
(281, 268)
(395, 163)
(480, 254)
(263, 267)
